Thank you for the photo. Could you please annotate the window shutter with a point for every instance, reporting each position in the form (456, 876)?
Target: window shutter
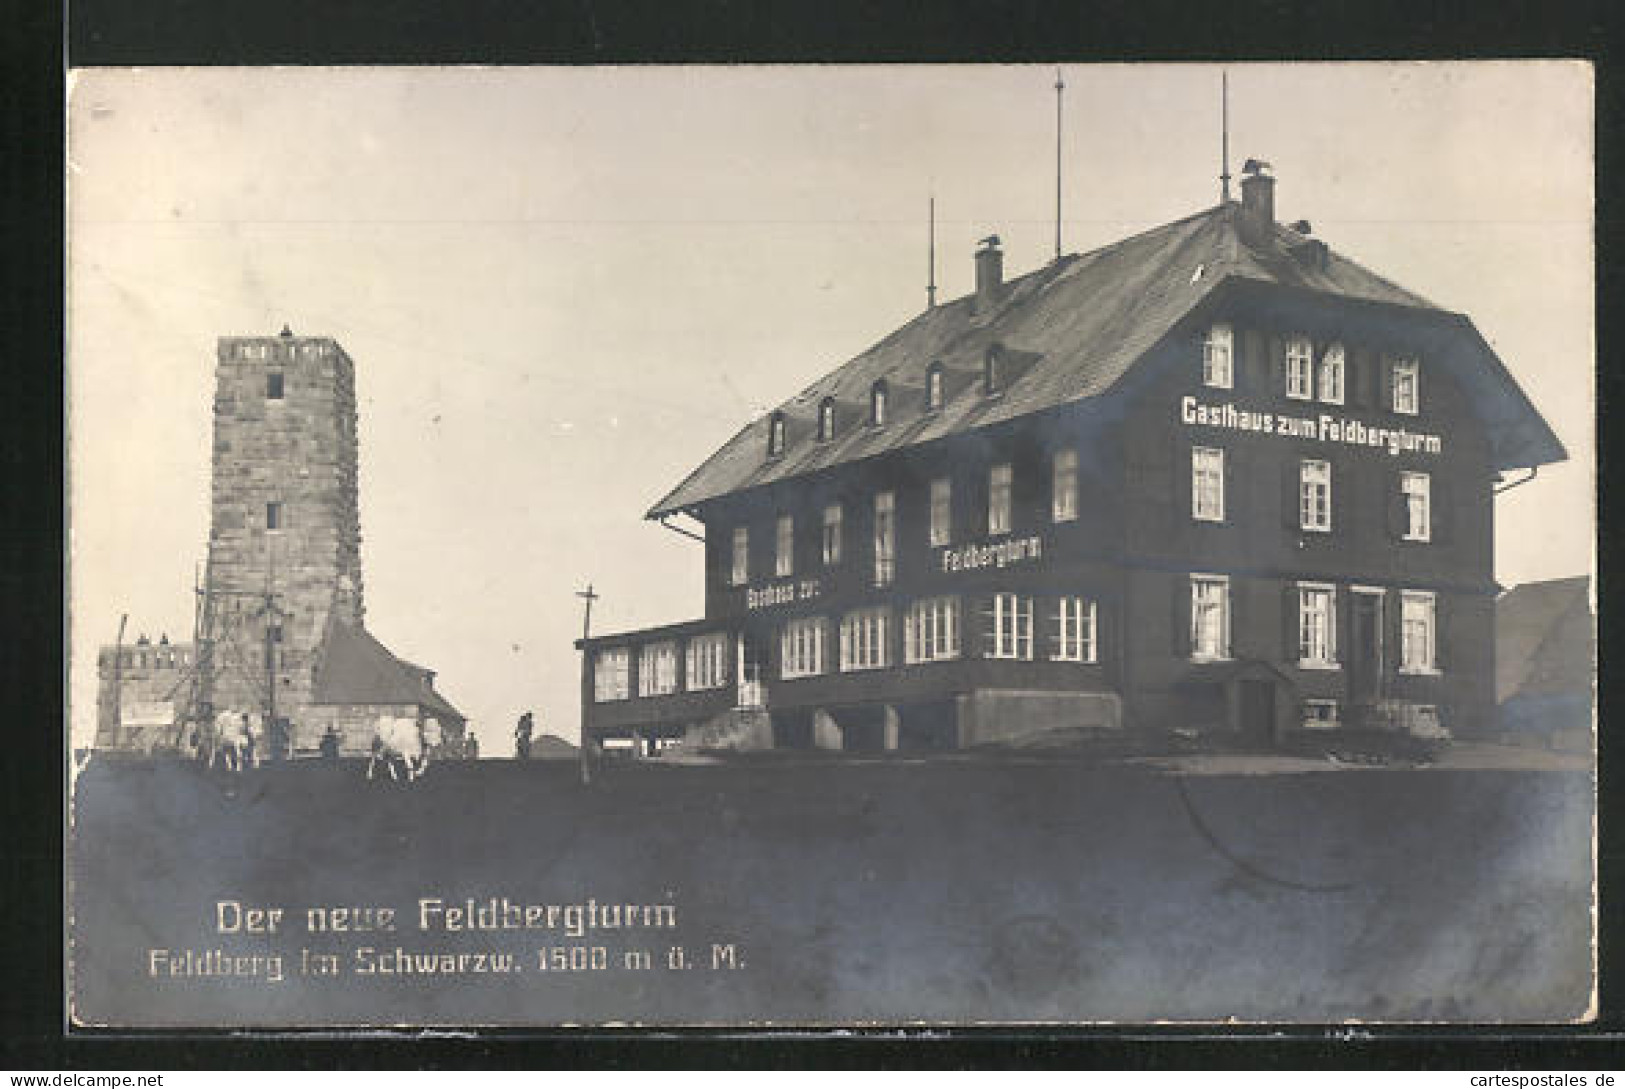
(1253, 372)
(1233, 514)
(1277, 369)
(1291, 518)
(1289, 622)
(1344, 625)
(1398, 516)
(1358, 379)
(1181, 616)
(1181, 479)
(1443, 645)
(1441, 511)
(1240, 634)
(1344, 517)
(1385, 383)
(1393, 632)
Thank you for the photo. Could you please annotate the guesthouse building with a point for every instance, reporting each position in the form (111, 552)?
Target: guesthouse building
(1214, 477)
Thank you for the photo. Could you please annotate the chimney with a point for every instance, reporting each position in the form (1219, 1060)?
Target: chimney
(989, 273)
(1257, 202)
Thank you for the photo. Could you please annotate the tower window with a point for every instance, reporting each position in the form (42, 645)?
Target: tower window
(273, 385)
(273, 516)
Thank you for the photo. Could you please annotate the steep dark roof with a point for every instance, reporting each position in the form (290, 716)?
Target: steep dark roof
(357, 668)
(1544, 638)
(1076, 327)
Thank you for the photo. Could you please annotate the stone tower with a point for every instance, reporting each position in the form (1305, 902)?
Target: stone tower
(284, 518)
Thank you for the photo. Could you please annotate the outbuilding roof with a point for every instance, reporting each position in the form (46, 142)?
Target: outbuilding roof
(1544, 638)
(357, 669)
(1074, 329)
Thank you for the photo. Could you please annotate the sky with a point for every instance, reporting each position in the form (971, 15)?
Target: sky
(564, 288)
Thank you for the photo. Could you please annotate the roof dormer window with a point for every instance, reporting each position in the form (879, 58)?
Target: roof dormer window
(826, 419)
(933, 388)
(990, 373)
(775, 436)
(877, 403)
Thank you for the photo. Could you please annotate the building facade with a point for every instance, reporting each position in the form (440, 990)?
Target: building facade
(280, 612)
(1212, 478)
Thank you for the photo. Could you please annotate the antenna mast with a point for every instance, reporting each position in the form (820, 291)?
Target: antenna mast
(1060, 86)
(931, 253)
(1224, 136)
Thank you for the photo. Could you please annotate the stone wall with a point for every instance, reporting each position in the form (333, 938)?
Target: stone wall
(131, 697)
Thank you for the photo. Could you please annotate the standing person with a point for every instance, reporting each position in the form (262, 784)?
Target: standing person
(330, 743)
(521, 736)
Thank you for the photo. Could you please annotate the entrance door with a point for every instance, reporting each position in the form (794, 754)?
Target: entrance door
(1257, 699)
(748, 668)
(1365, 656)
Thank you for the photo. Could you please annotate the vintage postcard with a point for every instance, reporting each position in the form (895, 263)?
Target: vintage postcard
(831, 546)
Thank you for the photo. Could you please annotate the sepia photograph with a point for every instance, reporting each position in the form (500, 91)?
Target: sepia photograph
(831, 546)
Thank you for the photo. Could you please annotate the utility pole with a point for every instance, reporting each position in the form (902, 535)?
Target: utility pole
(588, 597)
(1060, 86)
(118, 677)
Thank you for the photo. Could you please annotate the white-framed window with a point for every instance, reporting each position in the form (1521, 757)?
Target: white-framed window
(1075, 633)
(1317, 624)
(1218, 369)
(739, 571)
(611, 671)
(1405, 386)
(657, 668)
(1333, 367)
(1210, 617)
(1008, 627)
(1300, 362)
(865, 637)
(998, 499)
(707, 662)
(775, 435)
(1315, 495)
(1207, 483)
(877, 403)
(826, 419)
(803, 645)
(933, 388)
(942, 511)
(1320, 714)
(1064, 486)
(931, 630)
(885, 538)
(833, 515)
(784, 551)
(1417, 632)
(1417, 488)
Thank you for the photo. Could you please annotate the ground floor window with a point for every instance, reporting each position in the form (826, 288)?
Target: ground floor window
(1008, 626)
(1074, 630)
(1417, 632)
(802, 647)
(707, 662)
(1210, 616)
(611, 670)
(865, 635)
(1317, 625)
(931, 630)
(1320, 714)
(657, 669)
